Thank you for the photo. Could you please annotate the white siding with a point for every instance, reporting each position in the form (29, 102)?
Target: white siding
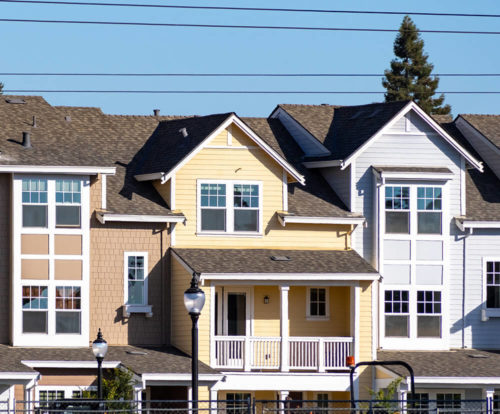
(411, 122)
(482, 243)
(340, 181)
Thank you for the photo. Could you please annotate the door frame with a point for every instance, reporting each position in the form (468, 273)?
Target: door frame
(222, 305)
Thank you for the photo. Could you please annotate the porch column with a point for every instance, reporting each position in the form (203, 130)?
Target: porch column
(138, 398)
(403, 397)
(355, 320)
(283, 397)
(489, 395)
(284, 328)
(213, 401)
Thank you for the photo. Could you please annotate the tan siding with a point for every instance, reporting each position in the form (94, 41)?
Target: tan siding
(266, 317)
(365, 338)
(68, 270)
(5, 268)
(336, 325)
(34, 244)
(37, 269)
(107, 246)
(242, 164)
(67, 244)
(62, 377)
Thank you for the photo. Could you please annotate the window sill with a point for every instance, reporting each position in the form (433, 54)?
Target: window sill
(129, 309)
(225, 234)
(318, 318)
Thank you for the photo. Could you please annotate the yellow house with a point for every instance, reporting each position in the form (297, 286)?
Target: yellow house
(287, 299)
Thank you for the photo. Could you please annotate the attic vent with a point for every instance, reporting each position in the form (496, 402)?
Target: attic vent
(358, 114)
(15, 101)
(478, 356)
(280, 258)
(184, 132)
(136, 353)
(156, 112)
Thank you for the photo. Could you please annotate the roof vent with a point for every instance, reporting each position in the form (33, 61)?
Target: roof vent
(136, 352)
(67, 118)
(15, 101)
(281, 258)
(26, 140)
(156, 112)
(184, 132)
(34, 121)
(478, 356)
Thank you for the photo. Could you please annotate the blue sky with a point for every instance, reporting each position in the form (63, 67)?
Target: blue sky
(90, 48)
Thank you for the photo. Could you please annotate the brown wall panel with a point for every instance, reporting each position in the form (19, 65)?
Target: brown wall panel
(61, 377)
(37, 269)
(67, 269)
(34, 244)
(67, 244)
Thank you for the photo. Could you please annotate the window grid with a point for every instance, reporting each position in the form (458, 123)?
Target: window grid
(246, 196)
(449, 401)
(397, 198)
(396, 301)
(34, 191)
(322, 400)
(51, 395)
(428, 302)
(68, 191)
(35, 297)
(68, 298)
(213, 195)
(136, 282)
(317, 302)
(493, 285)
(429, 198)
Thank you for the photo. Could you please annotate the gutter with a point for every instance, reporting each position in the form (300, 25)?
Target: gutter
(285, 218)
(104, 217)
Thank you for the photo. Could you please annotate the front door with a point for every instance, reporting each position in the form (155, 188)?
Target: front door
(236, 313)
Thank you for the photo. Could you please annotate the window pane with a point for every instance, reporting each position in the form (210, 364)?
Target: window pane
(396, 325)
(429, 326)
(135, 292)
(34, 216)
(429, 223)
(213, 219)
(68, 216)
(68, 322)
(246, 220)
(493, 296)
(34, 322)
(397, 222)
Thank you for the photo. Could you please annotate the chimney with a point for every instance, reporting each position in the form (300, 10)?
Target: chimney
(156, 112)
(184, 132)
(26, 140)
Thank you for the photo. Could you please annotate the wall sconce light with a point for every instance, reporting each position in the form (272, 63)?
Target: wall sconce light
(266, 300)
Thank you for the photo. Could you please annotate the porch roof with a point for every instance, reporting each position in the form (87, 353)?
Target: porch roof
(248, 263)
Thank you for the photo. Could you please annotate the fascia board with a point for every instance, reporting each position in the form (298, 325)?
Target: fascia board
(460, 122)
(149, 177)
(322, 164)
(280, 277)
(179, 377)
(56, 169)
(321, 220)
(457, 380)
(19, 376)
(415, 176)
(69, 364)
(104, 217)
(470, 224)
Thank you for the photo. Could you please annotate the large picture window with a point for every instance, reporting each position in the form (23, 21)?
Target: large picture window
(35, 309)
(493, 284)
(229, 207)
(34, 199)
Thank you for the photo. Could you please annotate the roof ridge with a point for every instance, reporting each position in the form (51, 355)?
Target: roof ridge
(489, 115)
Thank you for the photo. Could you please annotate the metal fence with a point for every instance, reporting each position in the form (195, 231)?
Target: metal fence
(249, 406)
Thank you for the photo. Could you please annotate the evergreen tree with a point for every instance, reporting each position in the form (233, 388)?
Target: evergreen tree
(410, 74)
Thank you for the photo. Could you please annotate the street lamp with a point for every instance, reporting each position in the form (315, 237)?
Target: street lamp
(99, 348)
(194, 299)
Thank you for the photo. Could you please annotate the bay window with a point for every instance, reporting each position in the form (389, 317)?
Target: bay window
(229, 207)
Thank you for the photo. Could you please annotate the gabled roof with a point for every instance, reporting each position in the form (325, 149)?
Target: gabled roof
(487, 125)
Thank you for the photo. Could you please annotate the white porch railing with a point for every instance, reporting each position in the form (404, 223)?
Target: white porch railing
(304, 353)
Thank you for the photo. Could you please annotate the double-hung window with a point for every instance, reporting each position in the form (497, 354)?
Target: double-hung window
(34, 199)
(229, 207)
(136, 279)
(317, 303)
(429, 205)
(35, 309)
(396, 309)
(493, 284)
(397, 209)
(68, 202)
(68, 309)
(428, 314)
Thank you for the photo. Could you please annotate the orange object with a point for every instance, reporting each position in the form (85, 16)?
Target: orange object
(350, 361)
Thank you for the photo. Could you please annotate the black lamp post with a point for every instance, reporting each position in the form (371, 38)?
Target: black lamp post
(194, 299)
(99, 348)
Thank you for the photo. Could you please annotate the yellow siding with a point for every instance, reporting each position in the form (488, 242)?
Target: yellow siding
(379, 374)
(220, 139)
(365, 339)
(266, 317)
(266, 395)
(337, 325)
(164, 190)
(181, 322)
(203, 394)
(244, 164)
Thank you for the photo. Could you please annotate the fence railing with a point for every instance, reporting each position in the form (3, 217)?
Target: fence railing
(303, 353)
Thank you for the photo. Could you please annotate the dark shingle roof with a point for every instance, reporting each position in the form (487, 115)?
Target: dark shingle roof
(454, 363)
(487, 125)
(236, 261)
(138, 359)
(343, 129)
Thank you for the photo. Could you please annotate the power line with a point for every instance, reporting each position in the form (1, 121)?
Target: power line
(226, 26)
(259, 9)
(230, 74)
(226, 92)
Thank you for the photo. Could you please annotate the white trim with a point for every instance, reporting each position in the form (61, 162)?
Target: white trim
(443, 381)
(104, 217)
(413, 176)
(355, 221)
(463, 184)
(145, 302)
(239, 147)
(180, 377)
(488, 312)
(285, 191)
(412, 106)
(172, 193)
(30, 376)
(284, 327)
(324, 317)
(47, 169)
(322, 164)
(470, 224)
(69, 364)
(67, 389)
(289, 276)
(233, 118)
(103, 191)
(460, 123)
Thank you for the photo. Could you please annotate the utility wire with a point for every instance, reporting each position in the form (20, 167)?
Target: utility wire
(242, 75)
(226, 26)
(224, 92)
(259, 9)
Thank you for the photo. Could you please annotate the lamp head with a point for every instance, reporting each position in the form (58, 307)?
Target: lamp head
(194, 297)
(99, 346)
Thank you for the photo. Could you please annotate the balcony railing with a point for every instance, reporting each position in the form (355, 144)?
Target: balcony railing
(304, 353)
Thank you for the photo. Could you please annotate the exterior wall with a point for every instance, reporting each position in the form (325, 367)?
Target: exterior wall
(181, 322)
(266, 317)
(340, 181)
(247, 164)
(63, 377)
(5, 252)
(203, 394)
(365, 339)
(107, 246)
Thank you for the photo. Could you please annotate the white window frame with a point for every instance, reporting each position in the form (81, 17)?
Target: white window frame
(490, 312)
(325, 317)
(229, 209)
(29, 203)
(67, 389)
(139, 308)
(64, 204)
